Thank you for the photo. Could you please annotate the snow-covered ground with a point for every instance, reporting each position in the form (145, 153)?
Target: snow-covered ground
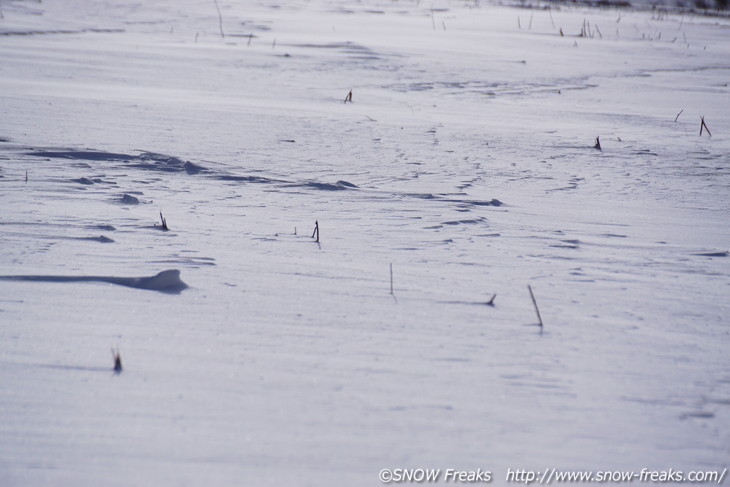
(465, 160)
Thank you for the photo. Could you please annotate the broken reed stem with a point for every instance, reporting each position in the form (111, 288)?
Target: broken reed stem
(534, 302)
(677, 117)
(598, 144)
(316, 231)
(704, 125)
(220, 19)
(164, 222)
(349, 97)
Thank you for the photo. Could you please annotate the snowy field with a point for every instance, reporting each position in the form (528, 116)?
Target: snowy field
(466, 160)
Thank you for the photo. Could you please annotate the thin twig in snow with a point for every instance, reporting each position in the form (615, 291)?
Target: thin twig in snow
(164, 222)
(704, 125)
(220, 19)
(537, 310)
(315, 233)
(391, 279)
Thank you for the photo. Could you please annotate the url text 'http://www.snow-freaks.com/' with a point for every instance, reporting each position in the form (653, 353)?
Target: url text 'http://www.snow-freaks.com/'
(549, 476)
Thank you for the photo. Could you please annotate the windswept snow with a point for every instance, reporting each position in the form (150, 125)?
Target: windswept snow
(466, 160)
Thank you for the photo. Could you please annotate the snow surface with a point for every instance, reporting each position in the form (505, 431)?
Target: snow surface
(465, 160)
